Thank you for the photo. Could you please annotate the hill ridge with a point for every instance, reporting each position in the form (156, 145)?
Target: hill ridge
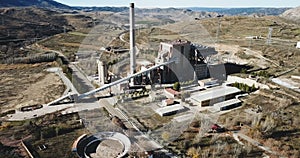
(37, 3)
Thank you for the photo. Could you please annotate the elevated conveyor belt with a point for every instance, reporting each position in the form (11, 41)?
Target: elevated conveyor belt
(92, 92)
(121, 80)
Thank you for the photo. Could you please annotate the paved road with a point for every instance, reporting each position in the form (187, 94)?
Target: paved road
(19, 115)
(82, 83)
(64, 78)
(122, 37)
(85, 104)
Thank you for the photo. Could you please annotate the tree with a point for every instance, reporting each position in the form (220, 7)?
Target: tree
(176, 86)
(253, 88)
(165, 136)
(244, 71)
(194, 152)
(246, 88)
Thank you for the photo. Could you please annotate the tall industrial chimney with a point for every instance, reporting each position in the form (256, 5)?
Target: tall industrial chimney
(132, 39)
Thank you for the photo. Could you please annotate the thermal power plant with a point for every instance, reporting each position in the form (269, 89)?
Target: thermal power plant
(191, 61)
(178, 60)
(132, 40)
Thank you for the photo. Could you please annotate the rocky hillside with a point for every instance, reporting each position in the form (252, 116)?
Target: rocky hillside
(22, 26)
(19, 23)
(37, 3)
(243, 11)
(292, 14)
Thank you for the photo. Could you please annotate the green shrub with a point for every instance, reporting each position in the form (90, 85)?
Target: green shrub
(176, 86)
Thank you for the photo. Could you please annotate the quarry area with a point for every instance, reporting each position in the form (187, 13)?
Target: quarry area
(148, 82)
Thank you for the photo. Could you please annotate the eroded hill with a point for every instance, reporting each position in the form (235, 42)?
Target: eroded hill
(292, 14)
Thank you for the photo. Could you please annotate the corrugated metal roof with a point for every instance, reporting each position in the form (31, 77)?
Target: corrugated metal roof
(215, 92)
(227, 103)
(169, 109)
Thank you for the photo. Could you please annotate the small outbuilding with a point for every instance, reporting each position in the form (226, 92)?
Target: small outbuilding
(171, 93)
(210, 82)
(168, 102)
(227, 105)
(169, 110)
(298, 45)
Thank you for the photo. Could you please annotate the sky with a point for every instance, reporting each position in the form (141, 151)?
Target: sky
(184, 3)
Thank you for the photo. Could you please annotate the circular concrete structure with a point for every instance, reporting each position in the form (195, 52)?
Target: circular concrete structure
(103, 144)
(108, 148)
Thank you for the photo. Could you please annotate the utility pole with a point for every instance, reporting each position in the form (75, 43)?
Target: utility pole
(250, 43)
(269, 40)
(218, 30)
(94, 22)
(65, 29)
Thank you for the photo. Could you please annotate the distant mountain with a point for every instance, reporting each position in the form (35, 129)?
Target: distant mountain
(175, 14)
(292, 14)
(158, 16)
(37, 3)
(53, 4)
(243, 11)
(111, 9)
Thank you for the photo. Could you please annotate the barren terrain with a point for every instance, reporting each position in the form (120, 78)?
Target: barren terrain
(276, 125)
(23, 85)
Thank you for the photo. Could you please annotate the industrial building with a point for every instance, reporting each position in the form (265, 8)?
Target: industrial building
(210, 82)
(179, 60)
(214, 95)
(190, 61)
(169, 110)
(102, 72)
(227, 105)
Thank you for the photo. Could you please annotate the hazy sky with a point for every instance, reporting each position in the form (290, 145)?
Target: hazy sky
(185, 3)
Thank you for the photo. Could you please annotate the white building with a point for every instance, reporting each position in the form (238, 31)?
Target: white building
(214, 95)
(169, 110)
(227, 105)
(167, 102)
(210, 82)
(298, 45)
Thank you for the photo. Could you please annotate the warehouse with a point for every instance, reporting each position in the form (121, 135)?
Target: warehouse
(169, 110)
(227, 105)
(214, 95)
